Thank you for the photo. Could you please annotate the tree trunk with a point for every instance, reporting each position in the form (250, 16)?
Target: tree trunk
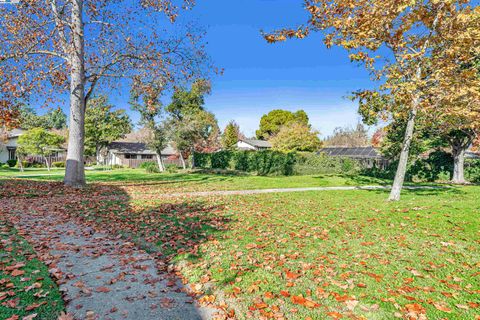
(161, 167)
(193, 158)
(20, 164)
(97, 154)
(458, 153)
(402, 164)
(75, 171)
(183, 161)
(47, 163)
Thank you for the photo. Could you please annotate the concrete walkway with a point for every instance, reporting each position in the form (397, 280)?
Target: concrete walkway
(107, 278)
(285, 190)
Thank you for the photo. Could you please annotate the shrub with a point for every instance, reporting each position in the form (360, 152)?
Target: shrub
(118, 166)
(202, 160)
(25, 164)
(5, 166)
(11, 163)
(438, 166)
(58, 164)
(220, 159)
(171, 168)
(145, 165)
(472, 170)
(311, 163)
(260, 162)
(150, 167)
(241, 160)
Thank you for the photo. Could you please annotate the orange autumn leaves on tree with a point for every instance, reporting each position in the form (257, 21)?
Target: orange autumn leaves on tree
(411, 48)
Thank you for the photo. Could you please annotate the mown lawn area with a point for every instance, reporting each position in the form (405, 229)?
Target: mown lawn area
(333, 254)
(26, 290)
(310, 255)
(184, 182)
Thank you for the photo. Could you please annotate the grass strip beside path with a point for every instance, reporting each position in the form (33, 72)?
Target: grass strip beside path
(26, 289)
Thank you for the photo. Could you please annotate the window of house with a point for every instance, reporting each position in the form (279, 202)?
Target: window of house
(130, 156)
(147, 156)
(12, 154)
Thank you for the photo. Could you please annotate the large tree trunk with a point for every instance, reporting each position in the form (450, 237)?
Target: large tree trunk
(458, 153)
(403, 161)
(75, 171)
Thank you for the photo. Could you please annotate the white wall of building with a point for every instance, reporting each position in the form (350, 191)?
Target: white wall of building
(11, 142)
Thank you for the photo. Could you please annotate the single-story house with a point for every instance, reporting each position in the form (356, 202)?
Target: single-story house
(367, 156)
(8, 145)
(132, 154)
(252, 144)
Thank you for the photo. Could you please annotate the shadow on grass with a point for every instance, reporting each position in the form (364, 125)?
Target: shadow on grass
(141, 178)
(428, 191)
(171, 229)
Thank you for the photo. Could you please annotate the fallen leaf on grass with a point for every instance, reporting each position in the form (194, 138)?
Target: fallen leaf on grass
(290, 275)
(442, 307)
(300, 300)
(16, 273)
(35, 305)
(285, 293)
(335, 315)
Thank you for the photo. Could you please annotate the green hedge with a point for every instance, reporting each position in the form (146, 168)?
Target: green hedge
(260, 162)
(311, 163)
(472, 170)
(437, 167)
(276, 163)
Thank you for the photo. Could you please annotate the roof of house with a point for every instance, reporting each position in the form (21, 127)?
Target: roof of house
(15, 133)
(358, 152)
(257, 143)
(137, 148)
(472, 155)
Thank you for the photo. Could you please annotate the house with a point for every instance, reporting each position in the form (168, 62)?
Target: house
(367, 156)
(252, 144)
(133, 154)
(8, 145)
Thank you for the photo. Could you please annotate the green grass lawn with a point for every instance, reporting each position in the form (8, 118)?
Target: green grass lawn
(25, 285)
(183, 182)
(312, 255)
(351, 253)
(326, 254)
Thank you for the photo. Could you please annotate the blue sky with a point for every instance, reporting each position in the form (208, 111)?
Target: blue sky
(259, 77)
